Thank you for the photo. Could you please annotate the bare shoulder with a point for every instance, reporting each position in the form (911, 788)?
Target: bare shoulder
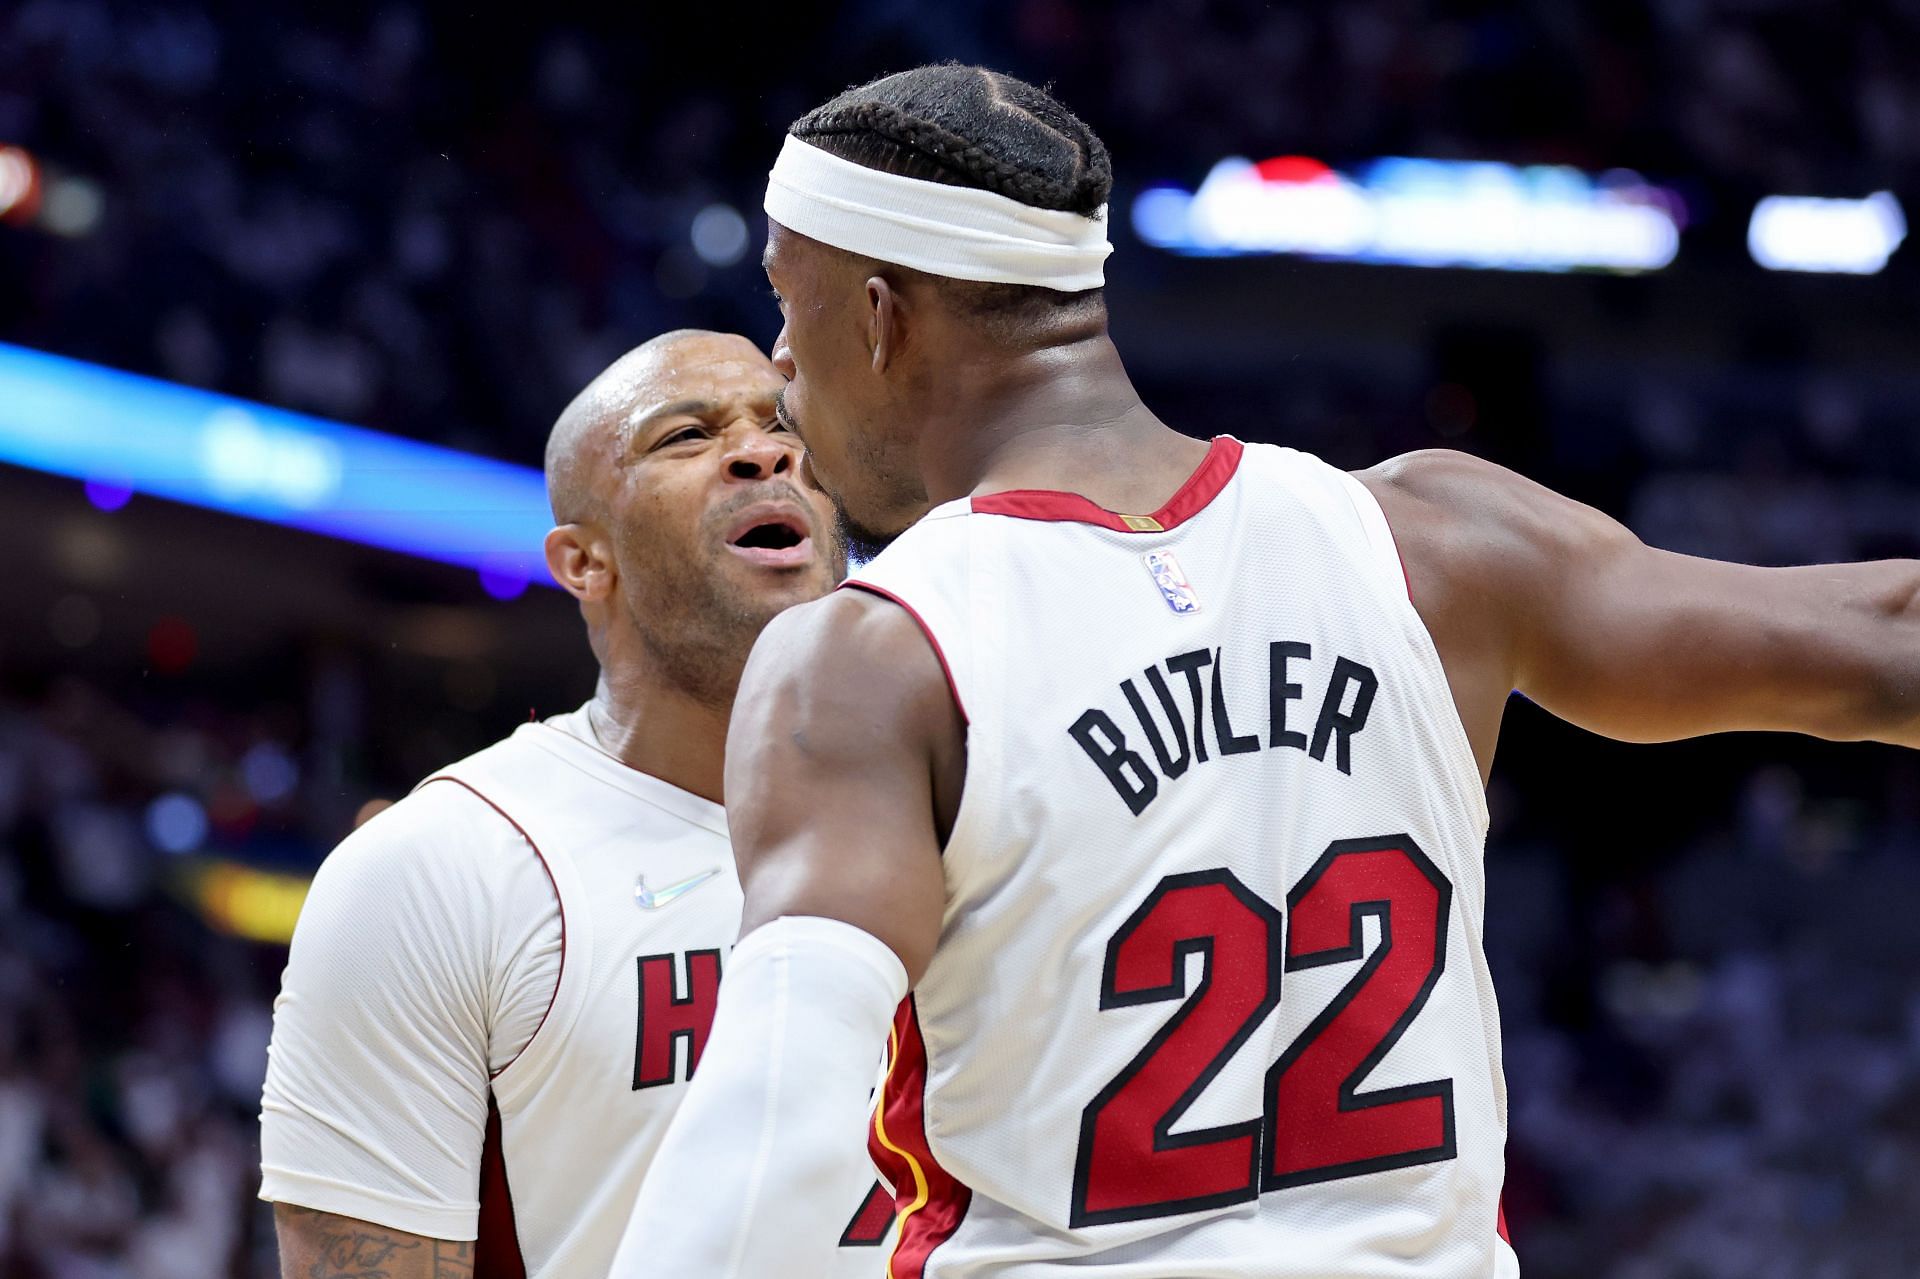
(838, 683)
(1492, 559)
(850, 645)
(850, 615)
(1472, 517)
(1434, 474)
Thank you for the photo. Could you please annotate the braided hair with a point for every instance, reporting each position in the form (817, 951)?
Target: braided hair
(968, 126)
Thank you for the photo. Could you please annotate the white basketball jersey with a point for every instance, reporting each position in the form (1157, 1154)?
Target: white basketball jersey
(1209, 1000)
(649, 902)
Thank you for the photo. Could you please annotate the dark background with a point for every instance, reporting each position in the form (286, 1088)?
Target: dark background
(439, 221)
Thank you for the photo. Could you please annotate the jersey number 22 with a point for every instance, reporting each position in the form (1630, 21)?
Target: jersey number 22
(1317, 1125)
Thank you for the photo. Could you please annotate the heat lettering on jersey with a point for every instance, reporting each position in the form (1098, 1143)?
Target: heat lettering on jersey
(1176, 734)
(672, 1011)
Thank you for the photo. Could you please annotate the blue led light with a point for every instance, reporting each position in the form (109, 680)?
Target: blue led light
(119, 432)
(1413, 212)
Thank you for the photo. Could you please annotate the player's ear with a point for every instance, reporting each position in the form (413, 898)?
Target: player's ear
(883, 322)
(578, 558)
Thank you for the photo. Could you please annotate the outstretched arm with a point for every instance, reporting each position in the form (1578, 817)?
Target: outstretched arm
(1525, 589)
(844, 761)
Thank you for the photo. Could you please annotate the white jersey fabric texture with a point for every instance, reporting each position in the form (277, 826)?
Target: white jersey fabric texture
(495, 996)
(1210, 998)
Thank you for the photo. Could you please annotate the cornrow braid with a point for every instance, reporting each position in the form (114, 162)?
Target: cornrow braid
(971, 127)
(967, 126)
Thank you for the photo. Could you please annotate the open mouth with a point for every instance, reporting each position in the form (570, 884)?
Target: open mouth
(777, 536)
(773, 537)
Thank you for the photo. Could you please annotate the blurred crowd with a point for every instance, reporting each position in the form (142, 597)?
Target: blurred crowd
(1712, 1008)
(132, 1035)
(442, 222)
(1777, 466)
(1768, 94)
(136, 979)
(425, 220)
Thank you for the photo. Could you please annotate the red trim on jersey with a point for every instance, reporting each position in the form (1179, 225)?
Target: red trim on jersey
(558, 900)
(1502, 1227)
(1211, 476)
(926, 630)
(930, 1200)
(872, 1223)
(496, 1254)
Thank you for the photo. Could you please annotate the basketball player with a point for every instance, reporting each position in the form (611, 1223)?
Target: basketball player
(1147, 766)
(500, 985)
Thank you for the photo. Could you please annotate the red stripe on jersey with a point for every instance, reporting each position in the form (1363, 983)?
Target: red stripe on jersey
(1205, 484)
(872, 1223)
(496, 1254)
(559, 902)
(926, 630)
(930, 1201)
(1503, 1222)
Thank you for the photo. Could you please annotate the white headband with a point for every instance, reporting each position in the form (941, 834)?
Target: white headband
(959, 232)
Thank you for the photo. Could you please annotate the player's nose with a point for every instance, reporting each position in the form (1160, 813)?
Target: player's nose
(752, 452)
(783, 355)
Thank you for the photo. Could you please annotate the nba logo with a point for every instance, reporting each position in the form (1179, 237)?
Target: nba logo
(1172, 582)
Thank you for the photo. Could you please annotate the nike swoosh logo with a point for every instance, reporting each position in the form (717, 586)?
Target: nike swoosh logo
(655, 898)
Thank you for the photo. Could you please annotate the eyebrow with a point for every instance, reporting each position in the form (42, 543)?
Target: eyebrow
(692, 406)
(632, 431)
(635, 427)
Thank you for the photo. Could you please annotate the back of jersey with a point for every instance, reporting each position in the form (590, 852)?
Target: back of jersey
(1210, 998)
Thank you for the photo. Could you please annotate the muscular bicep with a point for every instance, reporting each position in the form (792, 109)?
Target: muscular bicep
(321, 1245)
(842, 771)
(1526, 589)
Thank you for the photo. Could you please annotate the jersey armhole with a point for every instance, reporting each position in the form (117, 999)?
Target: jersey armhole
(560, 904)
(933, 641)
(1380, 540)
(1392, 567)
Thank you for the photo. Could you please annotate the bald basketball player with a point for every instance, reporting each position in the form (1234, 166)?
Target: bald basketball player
(1152, 766)
(500, 985)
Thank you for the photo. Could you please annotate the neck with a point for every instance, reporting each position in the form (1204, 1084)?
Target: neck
(1064, 416)
(650, 724)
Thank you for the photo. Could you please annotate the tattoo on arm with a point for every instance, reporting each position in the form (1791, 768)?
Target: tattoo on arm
(322, 1245)
(452, 1260)
(360, 1254)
